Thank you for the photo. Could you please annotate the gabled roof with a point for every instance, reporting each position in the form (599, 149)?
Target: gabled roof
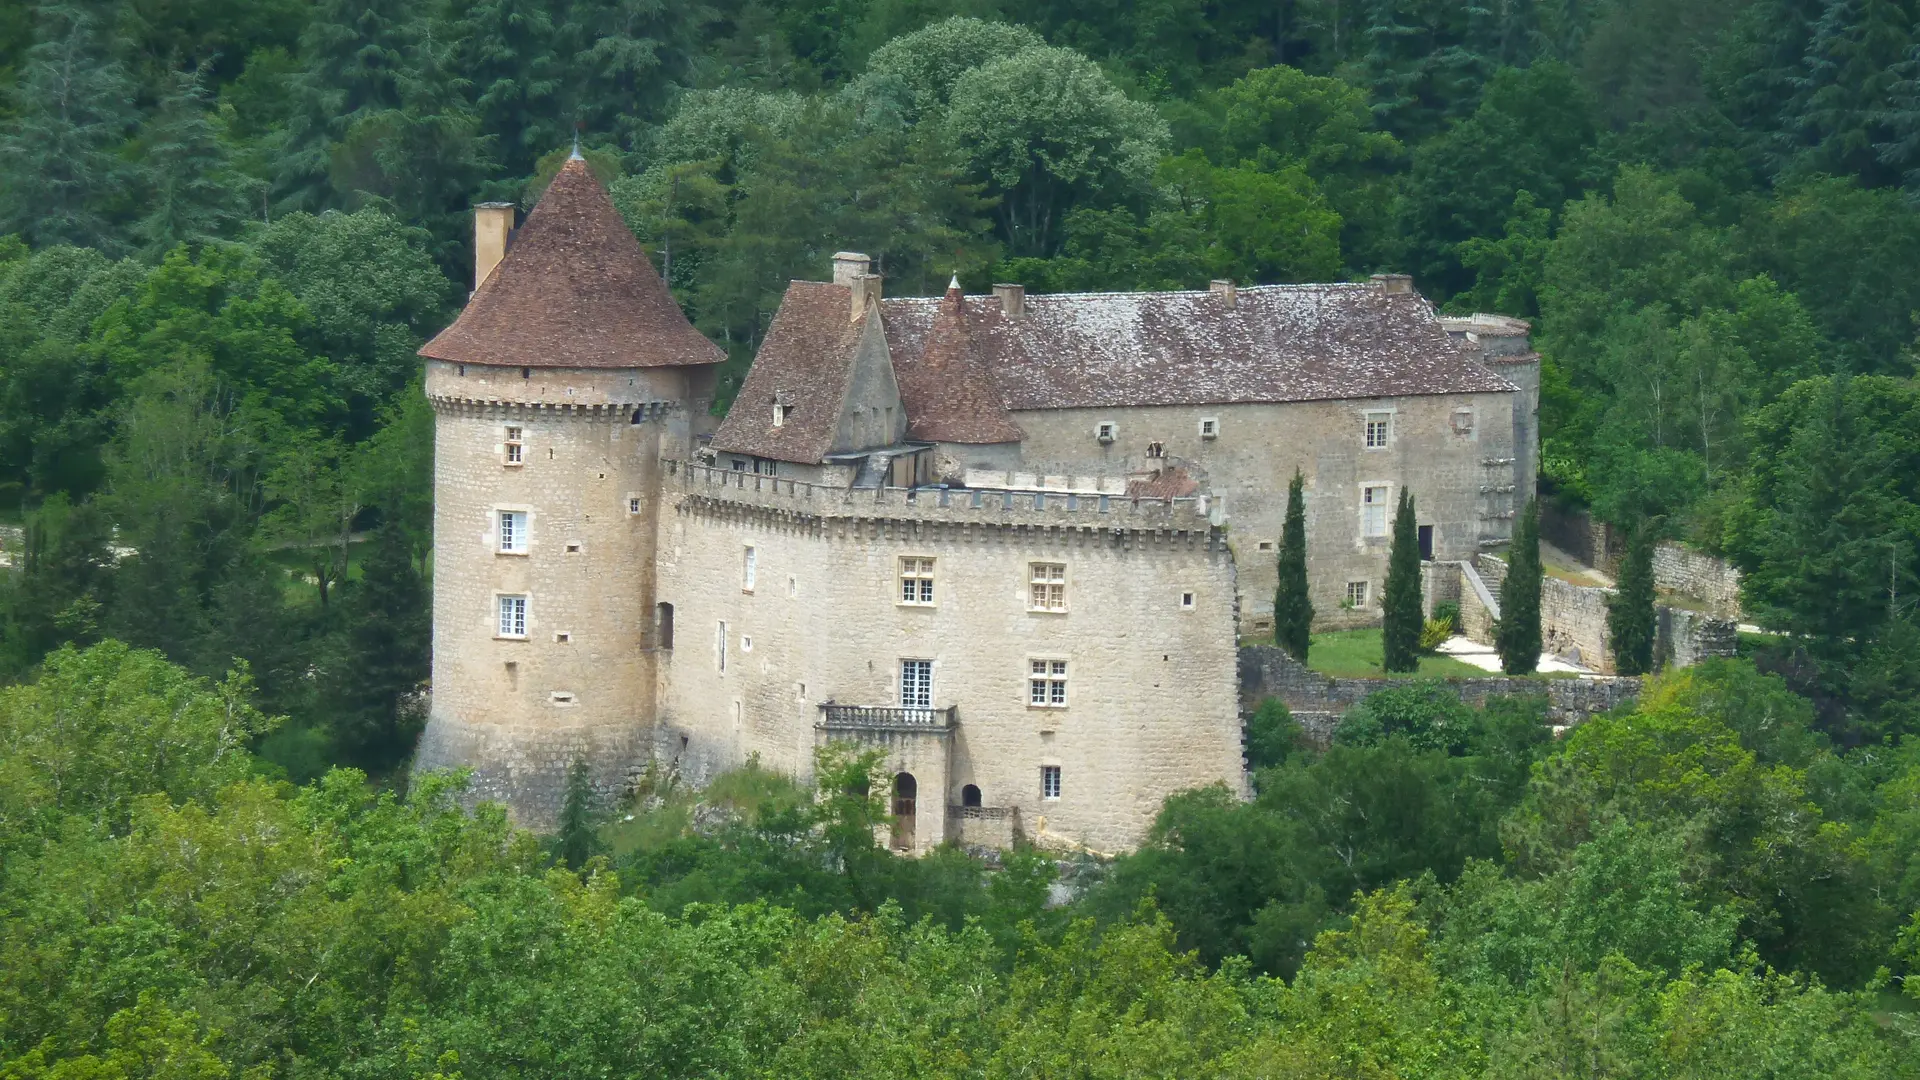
(805, 361)
(1273, 343)
(574, 290)
(948, 392)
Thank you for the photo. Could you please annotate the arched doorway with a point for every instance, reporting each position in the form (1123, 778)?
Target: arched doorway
(904, 790)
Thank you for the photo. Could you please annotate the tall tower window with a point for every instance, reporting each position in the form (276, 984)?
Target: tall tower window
(513, 616)
(515, 446)
(916, 684)
(749, 567)
(513, 532)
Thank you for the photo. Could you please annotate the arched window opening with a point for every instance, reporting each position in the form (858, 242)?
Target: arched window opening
(904, 790)
(970, 796)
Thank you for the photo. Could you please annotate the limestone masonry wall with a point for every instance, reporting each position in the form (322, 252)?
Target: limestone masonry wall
(1699, 576)
(1148, 639)
(1319, 701)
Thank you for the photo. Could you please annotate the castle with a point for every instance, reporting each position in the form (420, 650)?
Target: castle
(1013, 541)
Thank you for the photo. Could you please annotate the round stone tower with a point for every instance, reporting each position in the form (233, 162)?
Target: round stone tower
(568, 376)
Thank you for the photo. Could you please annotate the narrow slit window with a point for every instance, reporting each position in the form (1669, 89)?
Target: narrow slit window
(749, 569)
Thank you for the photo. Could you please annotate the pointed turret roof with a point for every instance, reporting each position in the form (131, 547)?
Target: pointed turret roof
(574, 290)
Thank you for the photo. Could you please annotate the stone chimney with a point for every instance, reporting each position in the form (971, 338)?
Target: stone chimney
(492, 226)
(1224, 290)
(1013, 299)
(866, 289)
(1394, 284)
(848, 266)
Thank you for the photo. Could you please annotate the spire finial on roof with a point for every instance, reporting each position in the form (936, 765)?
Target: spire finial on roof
(954, 285)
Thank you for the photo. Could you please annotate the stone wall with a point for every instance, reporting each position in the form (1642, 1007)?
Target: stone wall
(1582, 536)
(1684, 638)
(1152, 707)
(1318, 701)
(1698, 576)
(1461, 476)
(1573, 622)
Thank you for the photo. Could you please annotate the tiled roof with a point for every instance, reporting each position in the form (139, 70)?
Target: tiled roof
(574, 290)
(1276, 343)
(945, 387)
(1169, 483)
(806, 361)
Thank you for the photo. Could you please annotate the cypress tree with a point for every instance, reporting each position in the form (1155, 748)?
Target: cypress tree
(1517, 638)
(1630, 617)
(1400, 603)
(1292, 607)
(576, 841)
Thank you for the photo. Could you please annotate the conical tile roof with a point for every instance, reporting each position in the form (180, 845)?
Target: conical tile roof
(574, 290)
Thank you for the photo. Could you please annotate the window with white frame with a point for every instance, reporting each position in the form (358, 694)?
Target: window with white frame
(916, 684)
(1106, 430)
(515, 446)
(513, 616)
(1186, 601)
(916, 581)
(1049, 781)
(1047, 684)
(513, 532)
(1047, 585)
(1463, 422)
(749, 567)
(1379, 430)
(1356, 594)
(1373, 510)
(1209, 427)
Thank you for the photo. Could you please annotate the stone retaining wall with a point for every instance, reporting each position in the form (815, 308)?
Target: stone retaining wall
(1318, 701)
(1695, 574)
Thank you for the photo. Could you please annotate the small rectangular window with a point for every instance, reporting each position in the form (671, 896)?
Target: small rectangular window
(916, 581)
(748, 569)
(1356, 594)
(515, 446)
(1156, 450)
(1379, 430)
(916, 684)
(1049, 781)
(1186, 601)
(1047, 684)
(513, 616)
(1373, 510)
(1047, 587)
(1265, 545)
(1209, 428)
(1463, 422)
(513, 532)
(1105, 431)
(633, 504)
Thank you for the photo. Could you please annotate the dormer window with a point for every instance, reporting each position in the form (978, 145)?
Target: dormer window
(780, 414)
(1156, 450)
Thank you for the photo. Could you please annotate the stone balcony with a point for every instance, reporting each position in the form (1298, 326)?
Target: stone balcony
(857, 718)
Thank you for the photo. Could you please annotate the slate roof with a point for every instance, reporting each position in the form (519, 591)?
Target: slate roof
(574, 290)
(806, 361)
(1276, 343)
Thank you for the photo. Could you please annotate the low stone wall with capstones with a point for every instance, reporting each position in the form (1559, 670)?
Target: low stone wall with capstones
(1319, 701)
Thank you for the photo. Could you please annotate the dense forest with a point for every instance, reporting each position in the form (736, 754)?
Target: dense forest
(226, 226)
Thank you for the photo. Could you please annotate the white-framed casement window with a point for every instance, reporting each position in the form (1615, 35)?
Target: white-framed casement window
(516, 446)
(1049, 781)
(513, 532)
(1047, 684)
(1106, 431)
(1379, 430)
(1356, 594)
(633, 504)
(916, 581)
(1186, 601)
(916, 684)
(1047, 586)
(749, 568)
(1209, 427)
(1373, 510)
(511, 613)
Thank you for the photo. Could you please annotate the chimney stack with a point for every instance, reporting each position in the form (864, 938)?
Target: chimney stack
(1223, 289)
(492, 227)
(849, 266)
(866, 289)
(1013, 299)
(1394, 284)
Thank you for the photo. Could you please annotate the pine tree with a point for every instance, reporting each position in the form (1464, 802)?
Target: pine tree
(60, 172)
(1400, 603)
(1518, 636)
(193, 194)
(1630, 617)
(1292, 607)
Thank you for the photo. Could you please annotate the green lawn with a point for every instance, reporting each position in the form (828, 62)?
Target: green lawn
(1355, 654)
